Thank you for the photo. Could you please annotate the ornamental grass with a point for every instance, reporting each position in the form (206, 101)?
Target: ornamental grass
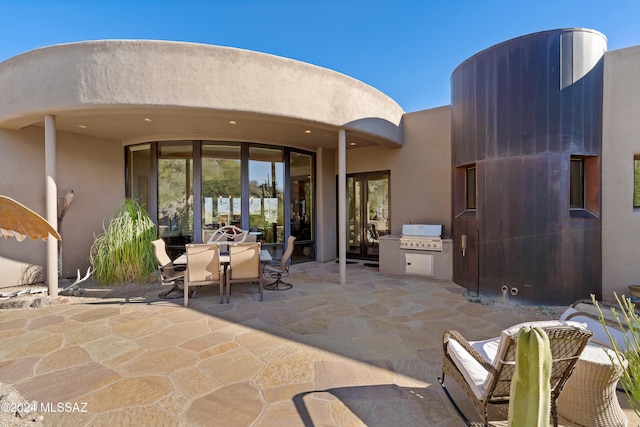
(629, 323)
(123, 253)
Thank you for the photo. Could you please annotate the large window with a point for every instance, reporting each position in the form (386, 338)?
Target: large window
(139, 167)
(221, 187)
(192, 188)
(175, 193)
(301, 200)
(266, 194)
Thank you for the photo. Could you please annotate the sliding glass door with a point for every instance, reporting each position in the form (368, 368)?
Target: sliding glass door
(367, 213)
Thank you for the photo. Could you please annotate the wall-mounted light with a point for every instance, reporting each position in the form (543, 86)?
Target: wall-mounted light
(353, 144)
(82, 126)
(147, 119)
(307, 131)
(233, 122)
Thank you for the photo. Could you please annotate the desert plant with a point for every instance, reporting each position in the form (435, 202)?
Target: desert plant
(123, 253)
(530, 393)
(629, 323)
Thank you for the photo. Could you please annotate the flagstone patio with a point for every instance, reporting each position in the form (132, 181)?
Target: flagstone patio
(320, 354)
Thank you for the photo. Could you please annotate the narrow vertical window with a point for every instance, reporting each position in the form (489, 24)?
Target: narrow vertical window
(636, 181)
(576, 183)
(470, 187)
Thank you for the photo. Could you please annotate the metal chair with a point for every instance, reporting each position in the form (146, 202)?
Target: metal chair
(244, 266)
(170, 274)
(280, 270)
(203, 268)
(229, 233)
(484, 369)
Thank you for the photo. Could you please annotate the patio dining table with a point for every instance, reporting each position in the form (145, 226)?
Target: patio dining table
(225, 259)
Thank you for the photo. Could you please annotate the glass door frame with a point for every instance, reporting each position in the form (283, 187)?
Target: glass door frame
(276, 248)
(363, 225)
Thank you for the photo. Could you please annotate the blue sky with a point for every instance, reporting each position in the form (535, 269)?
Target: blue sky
(405, 48)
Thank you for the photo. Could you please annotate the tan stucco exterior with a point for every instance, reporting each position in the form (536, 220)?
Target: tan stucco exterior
(420, 172)
(620, 143)
(101, 92)
(93, 168)
(101, 84)
(192, 91)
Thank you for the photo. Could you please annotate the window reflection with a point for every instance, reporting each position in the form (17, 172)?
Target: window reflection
(139, 166)
(221, 187)
(266, 195)
(301, 201)
(175, 193)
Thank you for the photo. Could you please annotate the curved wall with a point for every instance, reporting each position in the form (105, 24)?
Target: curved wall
(521, 110)
(96, 76)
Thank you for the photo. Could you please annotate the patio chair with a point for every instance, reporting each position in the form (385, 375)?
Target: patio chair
(484, 369)
(170, 274)
(203, 268)
(584, 311)
(280, 269)
(244, 266)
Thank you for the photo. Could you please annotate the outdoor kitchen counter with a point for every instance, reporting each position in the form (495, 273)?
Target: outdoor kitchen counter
(393, 260)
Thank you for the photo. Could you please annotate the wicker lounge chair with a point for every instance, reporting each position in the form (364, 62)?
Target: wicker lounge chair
(484, 369)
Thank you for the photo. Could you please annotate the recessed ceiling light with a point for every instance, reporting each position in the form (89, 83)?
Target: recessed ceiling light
(307, 131)
(82, 126)
(233, 122)
(147, 119)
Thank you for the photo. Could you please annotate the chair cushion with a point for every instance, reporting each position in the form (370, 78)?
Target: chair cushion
(476, 376)
(599, 332)
(471, 370)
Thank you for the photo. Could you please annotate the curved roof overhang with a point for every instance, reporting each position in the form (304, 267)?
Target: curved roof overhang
(140, 90)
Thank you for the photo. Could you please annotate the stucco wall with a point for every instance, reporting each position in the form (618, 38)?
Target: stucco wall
(92, 168)
(326, 203)
(620, 141)
(89, 76)
(420, 171)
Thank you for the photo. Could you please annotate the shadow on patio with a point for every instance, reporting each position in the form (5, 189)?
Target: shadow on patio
(367, 353)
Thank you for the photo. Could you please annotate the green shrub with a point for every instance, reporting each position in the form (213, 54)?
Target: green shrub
(123, 253)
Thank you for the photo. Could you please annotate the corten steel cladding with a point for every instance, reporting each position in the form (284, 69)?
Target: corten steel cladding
(521, 110)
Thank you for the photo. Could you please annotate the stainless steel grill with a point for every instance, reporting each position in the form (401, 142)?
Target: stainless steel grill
(421, 237)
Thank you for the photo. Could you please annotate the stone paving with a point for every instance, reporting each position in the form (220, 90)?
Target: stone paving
(320, 354)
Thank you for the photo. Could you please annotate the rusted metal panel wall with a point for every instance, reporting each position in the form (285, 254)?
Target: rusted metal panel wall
(521, 109)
